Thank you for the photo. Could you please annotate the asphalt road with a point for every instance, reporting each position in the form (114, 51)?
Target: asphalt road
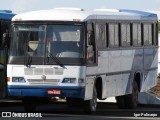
(60, 111)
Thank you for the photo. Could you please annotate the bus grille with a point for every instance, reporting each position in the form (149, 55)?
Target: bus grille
(53, 82)
(43, 71)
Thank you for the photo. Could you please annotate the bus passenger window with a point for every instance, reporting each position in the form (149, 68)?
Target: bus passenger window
(101, 35)
(137, 39)
(125, 35)
(147, 32)
(113, 35)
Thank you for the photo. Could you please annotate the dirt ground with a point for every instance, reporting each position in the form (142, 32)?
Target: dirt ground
(156, 89)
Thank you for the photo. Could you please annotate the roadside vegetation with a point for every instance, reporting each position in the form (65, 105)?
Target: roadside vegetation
(156, 89)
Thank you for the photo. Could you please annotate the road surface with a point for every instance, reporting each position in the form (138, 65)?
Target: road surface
(60, 111)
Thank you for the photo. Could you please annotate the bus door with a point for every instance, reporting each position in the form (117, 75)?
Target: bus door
(90, 60)
(91, 52)
(4, 26)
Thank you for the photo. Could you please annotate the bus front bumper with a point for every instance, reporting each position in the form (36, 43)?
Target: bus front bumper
(43, 91)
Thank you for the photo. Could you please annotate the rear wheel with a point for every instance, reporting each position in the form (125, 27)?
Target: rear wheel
(131, 100)
(90, 106)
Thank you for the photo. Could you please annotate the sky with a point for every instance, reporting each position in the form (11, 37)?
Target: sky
(20, 6)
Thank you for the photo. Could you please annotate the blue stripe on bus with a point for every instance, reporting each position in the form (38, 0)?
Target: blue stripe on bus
(5, 11)
(42, 91)
(141, 13)
(6, 16)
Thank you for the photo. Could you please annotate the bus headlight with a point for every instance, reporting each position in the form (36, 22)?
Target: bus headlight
(69, 80)
(18, 79)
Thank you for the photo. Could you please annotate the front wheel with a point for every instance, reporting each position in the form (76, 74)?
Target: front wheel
(90, 106)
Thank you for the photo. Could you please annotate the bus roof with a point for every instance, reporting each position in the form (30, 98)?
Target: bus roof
(6, 14)
(69, 14)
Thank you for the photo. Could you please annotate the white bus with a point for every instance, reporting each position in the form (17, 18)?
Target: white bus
(81, 56)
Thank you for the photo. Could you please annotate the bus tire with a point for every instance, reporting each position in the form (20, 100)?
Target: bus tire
(131, 100)
(120, 101)
(29, 104)
(90, 106)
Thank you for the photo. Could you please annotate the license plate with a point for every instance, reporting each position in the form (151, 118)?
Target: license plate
(54, 92)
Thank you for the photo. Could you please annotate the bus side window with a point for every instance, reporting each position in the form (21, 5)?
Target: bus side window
(113, 35)
(137, 37)
(90, 44)
(100, 30)
(125, 35)
(147, 31)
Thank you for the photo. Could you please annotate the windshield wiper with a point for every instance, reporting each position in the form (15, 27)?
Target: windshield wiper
(55, 59)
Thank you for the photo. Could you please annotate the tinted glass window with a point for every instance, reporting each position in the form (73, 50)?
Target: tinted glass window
(101, 35)
(147, 31)
(125, 35)
(113, 35)
(137, 39)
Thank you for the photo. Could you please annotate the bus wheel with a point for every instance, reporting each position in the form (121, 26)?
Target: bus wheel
(120, 101)
(29, 104)
(131, 100)
(90, 106)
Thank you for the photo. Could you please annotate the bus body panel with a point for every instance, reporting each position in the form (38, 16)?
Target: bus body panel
(34, 83)
(89, 88)
(117, 69)
(46, 91)
(150, 68)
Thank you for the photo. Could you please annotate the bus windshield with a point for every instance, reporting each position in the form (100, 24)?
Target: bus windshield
(61, 41)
